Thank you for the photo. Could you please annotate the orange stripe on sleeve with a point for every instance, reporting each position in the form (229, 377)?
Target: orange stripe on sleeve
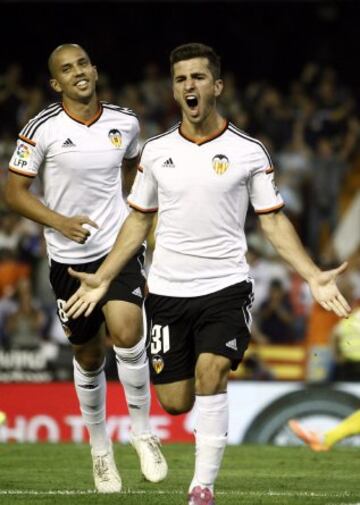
(20, 172)
(28, 141)
(133, 206)
(270, 209)
(269, 170)
(140, 168)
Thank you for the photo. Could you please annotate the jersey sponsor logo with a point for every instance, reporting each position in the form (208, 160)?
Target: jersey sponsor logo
(115, 138)
(68, 143)
(157, 364)
(220, 163)
(168, 163)
(232, 344)
(137, 292)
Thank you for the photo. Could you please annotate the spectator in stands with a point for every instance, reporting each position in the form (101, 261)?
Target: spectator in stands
(10, 235)
(273, 117)
(327, 173)
(25, 325)
(14, 276)
(276, 316)
(33, 102)
(264, 271)
(12, 95)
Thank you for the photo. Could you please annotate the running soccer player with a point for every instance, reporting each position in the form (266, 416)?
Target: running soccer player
(200, 176)
(84, 148)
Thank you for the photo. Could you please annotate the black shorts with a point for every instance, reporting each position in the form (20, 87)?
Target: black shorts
(128, 286)
(179, 329)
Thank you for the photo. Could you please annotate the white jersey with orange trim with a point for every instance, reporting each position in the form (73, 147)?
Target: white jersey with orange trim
(202, 191)
(80, 166)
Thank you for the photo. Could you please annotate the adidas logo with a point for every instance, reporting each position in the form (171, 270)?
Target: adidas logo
(137, 292)
(168, 163)
(232, 344)
(68, 143)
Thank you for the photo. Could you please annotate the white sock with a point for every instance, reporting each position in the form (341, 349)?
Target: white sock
(211, 429)
(90, 388)
(133, 370)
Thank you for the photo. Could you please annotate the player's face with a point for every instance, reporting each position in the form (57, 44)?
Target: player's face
(73, 74)
(195, 88)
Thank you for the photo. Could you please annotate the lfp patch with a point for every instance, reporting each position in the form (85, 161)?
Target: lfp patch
(23, 151)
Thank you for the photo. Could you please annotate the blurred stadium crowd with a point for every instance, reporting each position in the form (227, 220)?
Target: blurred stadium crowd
(313, 132)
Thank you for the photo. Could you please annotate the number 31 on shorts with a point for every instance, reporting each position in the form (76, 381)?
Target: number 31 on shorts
(160, 339)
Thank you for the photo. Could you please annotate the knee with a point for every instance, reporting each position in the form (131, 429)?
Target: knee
(125, 337)
(177, 407)
(90, 359)
(211, 379)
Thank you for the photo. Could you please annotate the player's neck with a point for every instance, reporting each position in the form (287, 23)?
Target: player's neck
(82, 110)
(198, 131)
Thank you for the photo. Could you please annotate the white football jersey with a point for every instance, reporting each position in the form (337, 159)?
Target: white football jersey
(81, 171)
(202, 191)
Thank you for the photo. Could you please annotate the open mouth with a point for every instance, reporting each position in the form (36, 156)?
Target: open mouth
(192, 101)
(82, 84)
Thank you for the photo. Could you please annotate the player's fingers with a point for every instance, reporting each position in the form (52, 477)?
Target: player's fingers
(81, 233)
(73, 308)
(78, 237)
(325, 306)
(70, 302)
(76, 310)
(87, 220)
(83, 306)
(90, 309)
(337, 308)
(344, 303)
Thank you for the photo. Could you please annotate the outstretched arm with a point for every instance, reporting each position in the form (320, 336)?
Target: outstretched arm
(94, 286)
(281, 233)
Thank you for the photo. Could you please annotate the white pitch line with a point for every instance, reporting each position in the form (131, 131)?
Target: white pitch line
(75, 492)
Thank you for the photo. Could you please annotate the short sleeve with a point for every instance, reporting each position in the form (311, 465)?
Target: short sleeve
(133, 148)
(28, 155)
(264, 194)
(144, 193)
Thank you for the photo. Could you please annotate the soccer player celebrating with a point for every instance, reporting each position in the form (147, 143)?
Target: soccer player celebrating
(85, 149)
(199, 176)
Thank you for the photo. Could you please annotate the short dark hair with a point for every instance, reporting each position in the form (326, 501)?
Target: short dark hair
(197, 50)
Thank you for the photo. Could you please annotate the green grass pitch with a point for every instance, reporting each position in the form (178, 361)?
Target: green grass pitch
(60, 474)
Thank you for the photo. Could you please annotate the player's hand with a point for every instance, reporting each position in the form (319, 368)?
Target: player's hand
(73, 228)
(326, 293)
(91, 290)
